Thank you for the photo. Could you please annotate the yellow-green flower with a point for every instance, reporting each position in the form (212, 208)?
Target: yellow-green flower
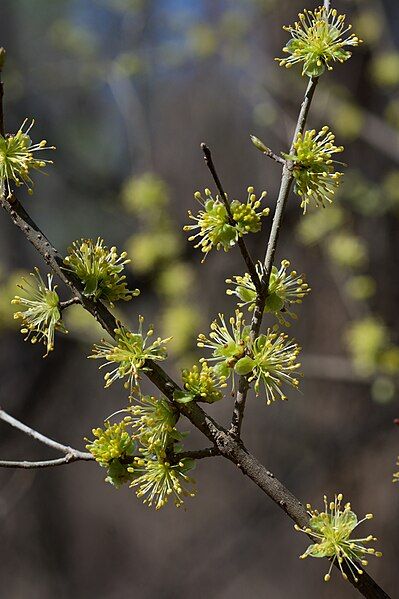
(216, 230)
(285, 288)
(113, 448)
(270, 361)
(129, 354)
(17, 159)
(99, 268)
(41, 316)
(332, 530)
(313, 171)
(153, 420)
(318, 39)
(227, 343)
(159, 480)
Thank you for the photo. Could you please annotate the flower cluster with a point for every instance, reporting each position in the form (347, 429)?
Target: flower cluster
(129, 354)
(159, 480)
(272, 362)
(318, 39)
(285, 288)
(153, 420)
(113, 448)
(17, 159)
(99, 268)
(228, 343)
(396, 474)
(41, 316)
(201, 383)
(217, 229)
(270, 359)
(314, 174)
(332, 531)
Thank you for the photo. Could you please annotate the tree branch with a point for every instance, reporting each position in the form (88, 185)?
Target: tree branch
(285, 186)
(71, 454)
(241, 243)
(199, 454)
(228, 445)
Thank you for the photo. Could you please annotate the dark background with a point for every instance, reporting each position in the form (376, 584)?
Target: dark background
(127, 90)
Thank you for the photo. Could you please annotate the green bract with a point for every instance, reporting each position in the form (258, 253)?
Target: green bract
(17, 159)
(318, 39)
(273, 362)
(99, 269)
(41, 316)
(129, 354)
(314, 175)
(216, 229)
(285, 289)
(332, 531)
(113, 448)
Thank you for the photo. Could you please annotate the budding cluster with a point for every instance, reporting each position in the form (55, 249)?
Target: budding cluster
(113, 448)
(99, 268)
(318, 39)
(202, 383)
(217, 229)
(17, 159)
(332, 531)
(129, 354)
(285, 288)
(41, 316)
(314, 174)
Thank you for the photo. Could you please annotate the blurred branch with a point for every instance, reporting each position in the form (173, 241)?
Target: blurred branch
(71, 454)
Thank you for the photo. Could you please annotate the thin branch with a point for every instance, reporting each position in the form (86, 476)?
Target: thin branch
(71, 454)
(285, 186)
(68, 459)
(70, 302)
(241, 243)
(199, 454)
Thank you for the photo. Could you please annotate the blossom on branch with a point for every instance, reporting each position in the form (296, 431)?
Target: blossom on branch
(216, 229)
(129, 354)
(318, 39)
(18, 159)
(99, 269)
(313, 168)
(332, 530)
(41, 315)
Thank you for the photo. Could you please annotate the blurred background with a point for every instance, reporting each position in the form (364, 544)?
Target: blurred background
(127, 90)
